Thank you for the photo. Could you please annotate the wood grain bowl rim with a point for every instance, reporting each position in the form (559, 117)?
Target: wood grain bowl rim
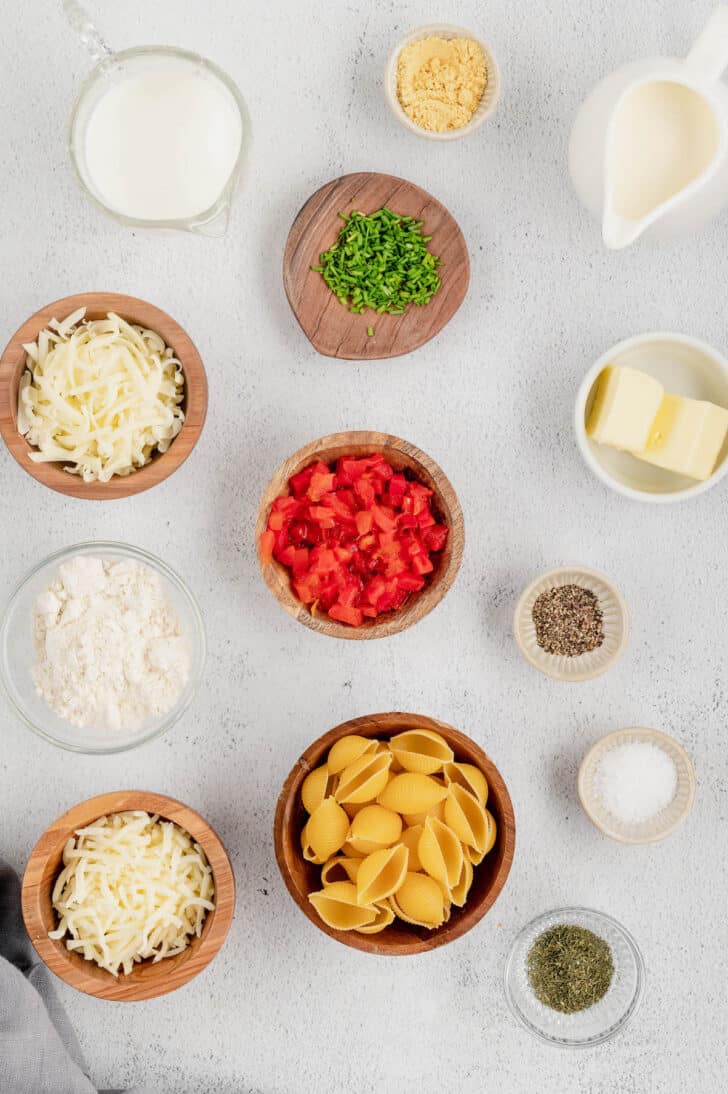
(448, 561)
(403, 939)
(147, 980)
(297, 240)
(162, 465)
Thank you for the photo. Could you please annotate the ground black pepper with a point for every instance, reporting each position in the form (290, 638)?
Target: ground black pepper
(568, 621)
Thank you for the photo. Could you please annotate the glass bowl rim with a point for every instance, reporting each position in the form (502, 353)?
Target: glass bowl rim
(635, 1002)
(159, 566)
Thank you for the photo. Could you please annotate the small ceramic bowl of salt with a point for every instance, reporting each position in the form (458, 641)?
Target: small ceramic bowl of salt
(637, 785)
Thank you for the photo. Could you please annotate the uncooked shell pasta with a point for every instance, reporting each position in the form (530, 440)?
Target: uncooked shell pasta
(397, 827)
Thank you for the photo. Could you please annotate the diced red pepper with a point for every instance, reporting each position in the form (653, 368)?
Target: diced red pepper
(281, 541)
(349, 469)
(383, 519)
(322, 516)
(322, 560)
(339, 506)
(411, 582)
(364, 521)
(345, 614)
(374, 590)
(396, 489)
(300, 561)
(321, 483)
(358, 538)
(288, 555)
(436, 537)
(299, 483)
(349, 595)
(267, 541)
(364, 490)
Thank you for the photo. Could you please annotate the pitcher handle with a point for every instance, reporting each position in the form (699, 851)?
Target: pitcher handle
(709, 55)
(89, 34)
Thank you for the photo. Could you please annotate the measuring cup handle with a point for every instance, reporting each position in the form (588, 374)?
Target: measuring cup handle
(79, 20)
(709, 55)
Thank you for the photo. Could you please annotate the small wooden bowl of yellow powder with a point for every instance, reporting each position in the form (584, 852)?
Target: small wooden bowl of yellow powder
(442, 82)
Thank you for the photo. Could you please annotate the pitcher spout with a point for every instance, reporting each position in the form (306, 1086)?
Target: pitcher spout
(213, 224)
(618, 232)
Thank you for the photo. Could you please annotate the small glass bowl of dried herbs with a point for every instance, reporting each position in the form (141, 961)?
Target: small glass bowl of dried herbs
(571, 623)
(574, 977)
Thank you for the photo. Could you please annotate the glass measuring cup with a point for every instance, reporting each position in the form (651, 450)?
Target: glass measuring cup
(110, 70)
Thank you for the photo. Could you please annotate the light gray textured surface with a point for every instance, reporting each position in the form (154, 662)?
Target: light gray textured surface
(284, 1010)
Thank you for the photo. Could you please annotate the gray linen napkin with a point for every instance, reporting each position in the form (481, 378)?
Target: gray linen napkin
(39, 1052)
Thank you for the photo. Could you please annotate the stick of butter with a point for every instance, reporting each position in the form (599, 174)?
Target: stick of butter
(686, 437)
(625, 407)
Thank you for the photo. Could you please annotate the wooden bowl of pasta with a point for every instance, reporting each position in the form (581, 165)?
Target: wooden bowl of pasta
(148, 979)
(402, 457)
(384, 931)
(162, 464)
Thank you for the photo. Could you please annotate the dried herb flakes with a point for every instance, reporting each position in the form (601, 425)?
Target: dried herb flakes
(570, 968)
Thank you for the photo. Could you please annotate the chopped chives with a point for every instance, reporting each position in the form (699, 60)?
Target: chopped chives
(380, 261)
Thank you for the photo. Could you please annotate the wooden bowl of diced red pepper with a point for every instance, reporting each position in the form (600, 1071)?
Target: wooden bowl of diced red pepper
(359, 535)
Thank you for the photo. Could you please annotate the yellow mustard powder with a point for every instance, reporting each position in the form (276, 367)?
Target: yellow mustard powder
(440, 81)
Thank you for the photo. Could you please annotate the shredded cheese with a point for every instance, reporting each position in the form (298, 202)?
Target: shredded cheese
(100, 395)
(132, 887)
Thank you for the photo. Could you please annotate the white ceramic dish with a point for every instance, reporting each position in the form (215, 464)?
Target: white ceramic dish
(684, 366)
(17, 653)
(668, 819)
(615, 619)
(487, 104)
(588, 1027)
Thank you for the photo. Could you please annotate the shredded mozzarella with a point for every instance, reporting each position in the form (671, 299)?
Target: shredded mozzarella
(132, 887)
(100, 395)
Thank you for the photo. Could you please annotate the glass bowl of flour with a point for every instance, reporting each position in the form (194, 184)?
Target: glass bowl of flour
(102, 647)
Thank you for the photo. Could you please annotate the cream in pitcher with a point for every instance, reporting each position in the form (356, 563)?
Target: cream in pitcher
(648, 147)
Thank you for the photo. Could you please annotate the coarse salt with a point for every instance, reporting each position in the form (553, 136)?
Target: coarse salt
(636, 781)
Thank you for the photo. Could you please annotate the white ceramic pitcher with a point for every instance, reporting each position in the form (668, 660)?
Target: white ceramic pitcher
(649, 147)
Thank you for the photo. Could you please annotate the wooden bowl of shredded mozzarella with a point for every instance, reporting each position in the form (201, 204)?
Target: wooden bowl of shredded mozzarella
(128, 895)
(101, 395)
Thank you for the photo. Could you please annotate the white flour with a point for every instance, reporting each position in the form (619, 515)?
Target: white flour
(109, 646)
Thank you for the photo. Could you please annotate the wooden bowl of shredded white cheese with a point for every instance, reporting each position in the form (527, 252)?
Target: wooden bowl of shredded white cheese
(101, 395)
(128, 895)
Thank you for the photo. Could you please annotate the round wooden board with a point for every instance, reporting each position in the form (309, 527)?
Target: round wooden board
(401, 938)
(330, 327)
(162, 465)
(147, 980)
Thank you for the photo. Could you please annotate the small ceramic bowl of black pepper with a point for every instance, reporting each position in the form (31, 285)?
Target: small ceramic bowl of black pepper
(571, 623)
(574, 977)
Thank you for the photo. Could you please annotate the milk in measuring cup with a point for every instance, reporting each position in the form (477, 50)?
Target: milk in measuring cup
(162, 140)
